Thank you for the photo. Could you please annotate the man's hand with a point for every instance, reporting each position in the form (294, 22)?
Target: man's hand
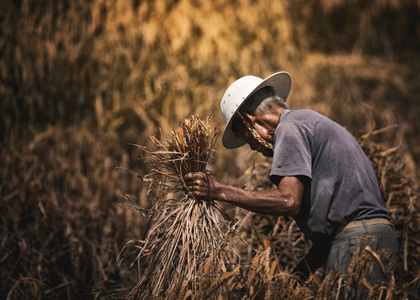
(202, 185)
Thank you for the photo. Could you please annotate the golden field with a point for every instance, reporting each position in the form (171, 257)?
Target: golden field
(80, 81)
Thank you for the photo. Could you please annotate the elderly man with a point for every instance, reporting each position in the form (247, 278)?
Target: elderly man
(324, 179)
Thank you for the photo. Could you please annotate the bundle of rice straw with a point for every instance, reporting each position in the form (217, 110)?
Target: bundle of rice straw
(189, 240)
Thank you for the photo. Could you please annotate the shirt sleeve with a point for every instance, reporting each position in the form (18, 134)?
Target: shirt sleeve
(292, 152)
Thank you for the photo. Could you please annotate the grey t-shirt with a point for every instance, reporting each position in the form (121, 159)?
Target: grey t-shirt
(342, 184)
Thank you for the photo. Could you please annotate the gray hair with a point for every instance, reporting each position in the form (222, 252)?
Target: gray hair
(263, 101)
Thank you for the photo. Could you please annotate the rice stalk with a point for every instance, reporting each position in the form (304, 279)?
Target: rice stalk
(188, 240)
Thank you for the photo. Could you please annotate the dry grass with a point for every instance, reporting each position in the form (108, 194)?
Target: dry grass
(188, 241)
(59, 228)
(263, 278)
(400, 193)
(80, 80)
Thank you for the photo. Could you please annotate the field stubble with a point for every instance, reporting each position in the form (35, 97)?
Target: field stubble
(80, 80)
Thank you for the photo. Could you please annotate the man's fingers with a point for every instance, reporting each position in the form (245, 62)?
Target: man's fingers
(198, 184)
(189, 176)
(193, 176)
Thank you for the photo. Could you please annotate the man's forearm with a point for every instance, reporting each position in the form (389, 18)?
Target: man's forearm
(276, 202)
(283, 201)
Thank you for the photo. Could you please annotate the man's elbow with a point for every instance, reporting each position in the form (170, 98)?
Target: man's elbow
(294, 209)
(291, 207)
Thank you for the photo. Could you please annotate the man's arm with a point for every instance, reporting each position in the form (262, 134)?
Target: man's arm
(283, 201)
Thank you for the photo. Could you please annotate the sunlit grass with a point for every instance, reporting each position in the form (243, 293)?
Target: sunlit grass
(81, 80)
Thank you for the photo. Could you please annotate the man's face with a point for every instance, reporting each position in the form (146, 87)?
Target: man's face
(244, 133)
(265, 124)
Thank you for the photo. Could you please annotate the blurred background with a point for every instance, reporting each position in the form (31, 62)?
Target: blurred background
(80, 80)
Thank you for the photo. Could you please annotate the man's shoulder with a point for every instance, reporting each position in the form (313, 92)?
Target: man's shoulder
(302, 113)
(303, 117)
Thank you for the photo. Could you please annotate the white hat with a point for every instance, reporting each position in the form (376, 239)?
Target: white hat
(239, 91)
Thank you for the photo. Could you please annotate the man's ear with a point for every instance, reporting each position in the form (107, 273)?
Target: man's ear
(251, 118)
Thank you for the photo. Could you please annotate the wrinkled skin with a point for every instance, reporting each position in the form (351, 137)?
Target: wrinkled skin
(283, 201)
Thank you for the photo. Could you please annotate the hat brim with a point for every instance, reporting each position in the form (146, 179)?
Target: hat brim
(280, 81)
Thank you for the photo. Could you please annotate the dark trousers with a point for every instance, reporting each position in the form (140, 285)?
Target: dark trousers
(353, 257)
